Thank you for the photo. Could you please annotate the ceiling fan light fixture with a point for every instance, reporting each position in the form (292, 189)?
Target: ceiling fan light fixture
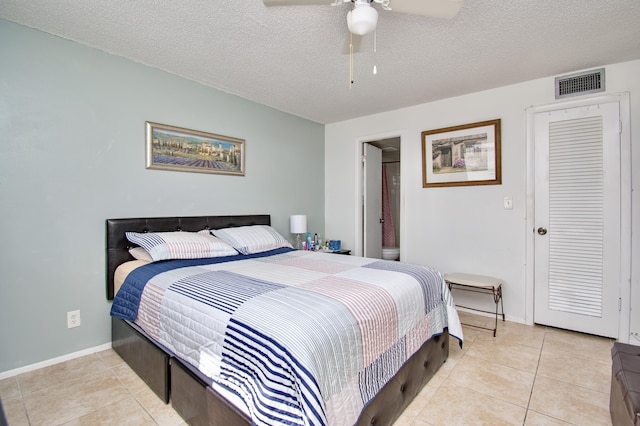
(362, 19)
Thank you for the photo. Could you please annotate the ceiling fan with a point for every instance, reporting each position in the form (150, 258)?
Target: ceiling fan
(363, 18)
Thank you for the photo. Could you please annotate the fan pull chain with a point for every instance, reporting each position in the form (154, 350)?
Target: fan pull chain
(375, 49)
(350, 59)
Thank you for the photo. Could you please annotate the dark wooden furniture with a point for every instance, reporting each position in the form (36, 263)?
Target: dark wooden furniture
(187, 389)
(3, 419)
(343, 251)
(624, 403)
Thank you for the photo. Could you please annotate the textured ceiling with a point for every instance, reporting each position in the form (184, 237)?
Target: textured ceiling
(291, 58)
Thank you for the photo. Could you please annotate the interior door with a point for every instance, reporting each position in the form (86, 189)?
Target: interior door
(372, 185)
(577, 219)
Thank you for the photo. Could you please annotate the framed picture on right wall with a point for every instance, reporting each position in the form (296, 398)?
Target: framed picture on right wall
(463, 155)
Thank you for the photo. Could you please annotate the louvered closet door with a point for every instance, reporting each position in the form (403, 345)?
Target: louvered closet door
(577, 216)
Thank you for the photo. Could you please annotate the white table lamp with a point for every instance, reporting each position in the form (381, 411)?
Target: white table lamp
(298, 225)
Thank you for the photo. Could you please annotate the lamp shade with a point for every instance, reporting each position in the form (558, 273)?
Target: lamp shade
(362, 19)
(298, 224)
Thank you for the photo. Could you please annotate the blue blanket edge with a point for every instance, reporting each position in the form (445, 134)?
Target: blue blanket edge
(127, 301)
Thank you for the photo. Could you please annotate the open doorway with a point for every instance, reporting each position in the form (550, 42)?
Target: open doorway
(381, 198)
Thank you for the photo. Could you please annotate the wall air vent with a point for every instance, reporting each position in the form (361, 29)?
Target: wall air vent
(580, 83)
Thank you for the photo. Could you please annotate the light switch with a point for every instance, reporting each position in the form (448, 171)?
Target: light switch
(508, 203)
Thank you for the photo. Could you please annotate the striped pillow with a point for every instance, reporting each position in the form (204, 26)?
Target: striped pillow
(181, 245)
(252, 239)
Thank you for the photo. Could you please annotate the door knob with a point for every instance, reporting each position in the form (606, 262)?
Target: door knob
(542, 231)
(381, 220)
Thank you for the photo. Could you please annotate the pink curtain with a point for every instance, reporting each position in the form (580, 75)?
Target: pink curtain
(388, 229)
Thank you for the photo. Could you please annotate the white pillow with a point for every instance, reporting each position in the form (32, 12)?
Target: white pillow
(252, 239)
(181, 245)
(140, 253)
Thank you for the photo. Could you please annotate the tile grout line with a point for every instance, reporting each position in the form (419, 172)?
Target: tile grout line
(132, 394)
(535, 376)
(24, 404)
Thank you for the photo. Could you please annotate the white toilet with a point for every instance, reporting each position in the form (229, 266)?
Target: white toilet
(391, 253)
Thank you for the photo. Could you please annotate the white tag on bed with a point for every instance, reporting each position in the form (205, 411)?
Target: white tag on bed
(210, 363)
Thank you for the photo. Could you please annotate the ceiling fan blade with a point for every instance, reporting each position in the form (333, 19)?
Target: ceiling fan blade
(295, 2)
(445, 9)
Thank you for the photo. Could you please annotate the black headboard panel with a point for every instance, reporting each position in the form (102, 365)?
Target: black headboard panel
(118, 246)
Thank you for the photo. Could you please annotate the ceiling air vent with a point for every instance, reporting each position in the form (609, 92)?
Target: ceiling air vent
(580, 83)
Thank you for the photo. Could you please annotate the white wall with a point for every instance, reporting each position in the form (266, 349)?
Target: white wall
(463, 228)
(72, 138)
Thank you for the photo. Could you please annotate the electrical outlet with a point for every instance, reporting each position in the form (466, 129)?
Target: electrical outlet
(73, 319)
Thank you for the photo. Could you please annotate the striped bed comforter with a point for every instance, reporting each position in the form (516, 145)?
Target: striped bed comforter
(301, 337)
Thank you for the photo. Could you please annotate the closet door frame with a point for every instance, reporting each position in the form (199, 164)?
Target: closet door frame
(625, 203)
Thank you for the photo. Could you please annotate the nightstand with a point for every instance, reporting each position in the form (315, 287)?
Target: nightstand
(343, 251)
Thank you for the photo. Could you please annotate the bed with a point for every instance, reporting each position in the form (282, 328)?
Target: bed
(206, 387)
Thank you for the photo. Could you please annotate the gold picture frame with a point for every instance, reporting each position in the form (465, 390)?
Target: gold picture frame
(464, 155)
(179, 149)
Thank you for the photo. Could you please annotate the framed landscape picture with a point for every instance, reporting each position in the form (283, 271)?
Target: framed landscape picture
(179, 149)
(462, 155)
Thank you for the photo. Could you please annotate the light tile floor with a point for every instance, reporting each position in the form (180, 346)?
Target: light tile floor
(524, 376)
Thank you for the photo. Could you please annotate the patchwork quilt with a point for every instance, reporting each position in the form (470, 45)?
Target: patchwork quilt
(303, 338)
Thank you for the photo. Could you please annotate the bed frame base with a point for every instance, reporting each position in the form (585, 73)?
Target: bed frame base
(189, 397)
(198, 404)
(144, 357)
(396, 395)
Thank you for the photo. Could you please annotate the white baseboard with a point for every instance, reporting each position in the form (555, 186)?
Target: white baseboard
(53, 361)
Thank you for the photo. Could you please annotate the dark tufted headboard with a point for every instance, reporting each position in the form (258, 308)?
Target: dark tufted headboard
(118, 246)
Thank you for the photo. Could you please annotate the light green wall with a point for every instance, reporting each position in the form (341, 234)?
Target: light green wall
(72, 154)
